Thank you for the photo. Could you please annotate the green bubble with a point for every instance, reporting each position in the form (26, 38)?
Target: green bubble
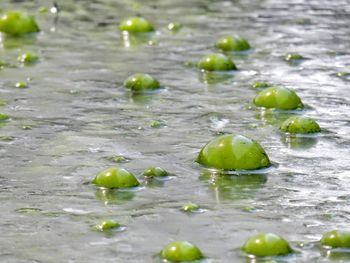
(26, 127)
(259, 85)
(174, 27)
(117, 159)
(336, 238)
(136, 25)
(3, 117)
(115, 178)
(343, 74)
(141, 82)
(28, 58)
(278, 98)
(21, 85)
(7, 138)
(233, 152)
(180, 251)
(17, 23)
(263, 245)
(29, 210)
(156, 124)
(216, 62)
(4, 64)
(232, 43)
(293, 57)
(299, 124)
(153, 42)
(155, 172)
(107, 225)
(249, 209)
(190, 207)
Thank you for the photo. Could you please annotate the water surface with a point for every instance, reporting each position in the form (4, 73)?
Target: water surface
(79, 113)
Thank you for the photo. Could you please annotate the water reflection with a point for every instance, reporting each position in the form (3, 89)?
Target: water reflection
(141, 99)
(114, 196)
(272, 117)
(12, 42)
(153, 182)
(216, 120)
(339, 254)
(133, 40)
(232, 187)
(299, 143)
(212, 78)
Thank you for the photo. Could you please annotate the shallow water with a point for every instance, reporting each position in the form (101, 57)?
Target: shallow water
(79, 113)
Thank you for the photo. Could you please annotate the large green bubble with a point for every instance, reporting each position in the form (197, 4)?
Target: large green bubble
(233, 152)
(267, 244)
(180, 251)
(232, 43)
(299, 124)
(136, 25)
(17, 23)
(278, 98)
(216, 62)
(336, 238)
(141, 82)
(115, 178)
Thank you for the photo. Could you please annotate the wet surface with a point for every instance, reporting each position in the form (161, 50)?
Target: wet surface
(75, 113)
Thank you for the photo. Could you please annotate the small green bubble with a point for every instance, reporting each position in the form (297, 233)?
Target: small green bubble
(174, 27)
(28, 210)
(293, 57)
(249, 209)
(156, 124)
(107, 225)
(190, 208)
(21, 85)
(26, 127)
(28, 58)
(260, 85)
(3, 117)
(343, 75)
(155, 172)
(7, 138)
(153, 42)
(117, 159)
